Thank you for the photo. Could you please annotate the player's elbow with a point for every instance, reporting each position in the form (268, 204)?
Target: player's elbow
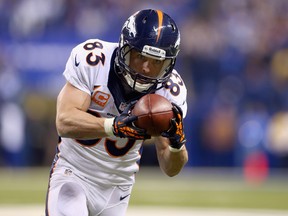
(62, 127)
(176, 168)
(172, 173)
(61, 131)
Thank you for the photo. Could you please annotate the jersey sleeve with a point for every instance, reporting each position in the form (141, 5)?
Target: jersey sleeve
(77, 72)
(175, 91)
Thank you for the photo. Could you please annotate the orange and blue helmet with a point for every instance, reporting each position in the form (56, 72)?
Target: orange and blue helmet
(154, 34)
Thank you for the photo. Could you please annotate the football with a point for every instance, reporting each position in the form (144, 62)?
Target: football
(154, 114)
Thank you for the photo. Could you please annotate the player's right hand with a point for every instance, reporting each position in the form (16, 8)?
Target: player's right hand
(123, 125)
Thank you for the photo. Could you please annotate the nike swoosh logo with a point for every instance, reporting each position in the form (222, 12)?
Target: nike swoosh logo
(76, 63)
(123, 197)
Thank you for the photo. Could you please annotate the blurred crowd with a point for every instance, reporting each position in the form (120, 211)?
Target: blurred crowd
(234, 59)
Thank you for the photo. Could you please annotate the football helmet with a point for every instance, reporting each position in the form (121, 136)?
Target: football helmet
(154, 34)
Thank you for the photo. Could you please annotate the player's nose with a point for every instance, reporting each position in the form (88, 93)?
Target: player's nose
(146, 67)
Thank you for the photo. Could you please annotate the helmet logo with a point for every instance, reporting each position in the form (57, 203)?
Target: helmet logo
(130, 26)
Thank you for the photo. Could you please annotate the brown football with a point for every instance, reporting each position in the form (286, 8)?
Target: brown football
(154, 114)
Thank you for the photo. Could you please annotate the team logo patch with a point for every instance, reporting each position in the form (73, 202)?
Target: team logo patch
(100, 98)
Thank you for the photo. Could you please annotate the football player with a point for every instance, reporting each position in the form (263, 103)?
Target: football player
(99, 147)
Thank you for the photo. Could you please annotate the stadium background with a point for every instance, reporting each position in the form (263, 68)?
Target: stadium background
(234, 60)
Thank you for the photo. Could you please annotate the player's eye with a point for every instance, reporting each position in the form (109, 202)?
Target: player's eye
(139, 56)
(158, 62)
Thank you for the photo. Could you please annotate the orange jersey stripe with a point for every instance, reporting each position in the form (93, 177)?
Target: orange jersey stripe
(160, 22)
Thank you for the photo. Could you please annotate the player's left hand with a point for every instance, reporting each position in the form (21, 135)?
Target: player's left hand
(176, 133)
(123, 125)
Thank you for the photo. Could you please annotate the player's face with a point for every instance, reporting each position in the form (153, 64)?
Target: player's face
(145, 65)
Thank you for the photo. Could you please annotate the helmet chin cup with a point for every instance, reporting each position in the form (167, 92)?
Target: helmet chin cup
(136, 85)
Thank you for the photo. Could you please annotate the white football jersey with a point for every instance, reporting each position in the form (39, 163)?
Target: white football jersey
(112, 161)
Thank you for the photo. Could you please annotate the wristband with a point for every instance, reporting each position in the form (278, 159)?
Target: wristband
(108, 126)
(175, 149)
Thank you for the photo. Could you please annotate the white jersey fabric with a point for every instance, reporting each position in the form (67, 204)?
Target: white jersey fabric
(109, 161)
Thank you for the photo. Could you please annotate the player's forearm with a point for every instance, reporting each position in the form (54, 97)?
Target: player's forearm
(80, 125)
(170, 162)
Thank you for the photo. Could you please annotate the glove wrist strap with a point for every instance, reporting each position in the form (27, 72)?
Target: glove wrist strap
(108, 126)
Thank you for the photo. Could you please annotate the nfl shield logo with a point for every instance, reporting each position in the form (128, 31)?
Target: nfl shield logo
(122, 106)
